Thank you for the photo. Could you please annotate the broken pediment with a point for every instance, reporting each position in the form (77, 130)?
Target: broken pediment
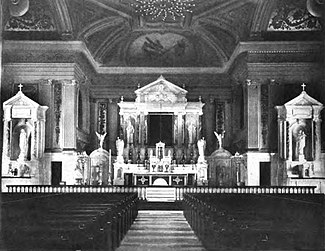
(161, 90)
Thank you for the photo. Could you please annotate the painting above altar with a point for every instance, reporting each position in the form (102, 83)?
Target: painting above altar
(161, 50)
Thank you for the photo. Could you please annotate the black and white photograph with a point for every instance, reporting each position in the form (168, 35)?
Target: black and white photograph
(162, 125)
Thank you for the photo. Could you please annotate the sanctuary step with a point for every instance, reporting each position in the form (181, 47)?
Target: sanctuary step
(160, 231)
(161, 194)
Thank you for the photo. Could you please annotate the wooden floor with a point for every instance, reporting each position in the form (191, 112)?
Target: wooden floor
(156, 230)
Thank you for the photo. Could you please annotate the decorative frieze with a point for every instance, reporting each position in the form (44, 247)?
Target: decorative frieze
(102, 117)
(57, 88)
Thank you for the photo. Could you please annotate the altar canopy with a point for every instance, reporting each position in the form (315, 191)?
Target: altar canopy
(160, 130)
(299, 126)
(163, 99)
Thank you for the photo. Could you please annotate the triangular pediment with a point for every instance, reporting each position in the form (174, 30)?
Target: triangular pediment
(161, 90)
(20, 99)
(303, 100)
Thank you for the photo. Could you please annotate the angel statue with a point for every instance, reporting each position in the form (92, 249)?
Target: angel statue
(101, 138)
(219, 138)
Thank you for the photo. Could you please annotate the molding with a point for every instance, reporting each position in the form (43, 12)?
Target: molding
(252, 47)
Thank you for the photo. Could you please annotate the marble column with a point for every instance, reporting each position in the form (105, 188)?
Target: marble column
(47, 98)
(318, 139)
(209, 119)
(181, 129)
(112, 125)
(228, 123)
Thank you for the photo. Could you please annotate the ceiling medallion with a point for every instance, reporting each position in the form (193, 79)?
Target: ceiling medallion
(163, 9)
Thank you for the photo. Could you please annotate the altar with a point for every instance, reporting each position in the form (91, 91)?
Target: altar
(160, 142)
(160, 170)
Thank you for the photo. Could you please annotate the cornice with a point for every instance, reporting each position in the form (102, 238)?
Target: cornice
(252, 47)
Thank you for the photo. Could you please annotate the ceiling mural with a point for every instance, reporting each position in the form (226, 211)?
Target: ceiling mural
(157, 33)
(161, 50)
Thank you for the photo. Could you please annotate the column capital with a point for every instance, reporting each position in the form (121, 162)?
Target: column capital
(251, 83)
(71, 82)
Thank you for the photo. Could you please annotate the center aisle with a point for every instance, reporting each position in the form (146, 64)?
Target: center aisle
(159, 231)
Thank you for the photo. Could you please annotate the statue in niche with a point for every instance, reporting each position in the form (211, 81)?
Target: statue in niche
(301, 142)
(23, 144)
(119, 146)
(219, 136)
(129, 132)
(101, 138)
(191, 132)
(201, 146)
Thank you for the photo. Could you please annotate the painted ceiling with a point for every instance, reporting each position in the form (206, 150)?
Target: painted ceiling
(159, 33)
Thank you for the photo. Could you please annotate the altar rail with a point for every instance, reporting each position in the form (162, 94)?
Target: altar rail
(179, 191)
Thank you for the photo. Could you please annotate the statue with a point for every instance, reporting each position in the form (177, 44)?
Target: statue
(201, 146)
(220, 137)
(301, 142)
(22, 144)
(191, 132)
(119, 146)
(101, 138)
(129, 132)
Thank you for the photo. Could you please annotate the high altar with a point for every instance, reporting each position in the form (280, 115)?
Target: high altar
(159, 137)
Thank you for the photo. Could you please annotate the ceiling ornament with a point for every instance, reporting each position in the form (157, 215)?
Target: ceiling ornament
(290, 17)
(163, 10)
(37, 18)
(18, 8)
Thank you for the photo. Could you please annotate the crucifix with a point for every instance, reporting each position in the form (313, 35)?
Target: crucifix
(20, 86)
(303, 86)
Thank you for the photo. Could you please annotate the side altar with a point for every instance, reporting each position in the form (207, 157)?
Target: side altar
(160, 138)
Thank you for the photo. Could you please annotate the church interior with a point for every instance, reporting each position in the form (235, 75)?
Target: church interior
(202, 106)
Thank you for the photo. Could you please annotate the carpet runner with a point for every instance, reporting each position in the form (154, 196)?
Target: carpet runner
(160, 231)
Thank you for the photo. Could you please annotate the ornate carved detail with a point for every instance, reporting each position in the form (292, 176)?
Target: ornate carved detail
(220, 117)
(289, 17)
(38, 18)
(102, 117)
(264, 112)
(57, 109)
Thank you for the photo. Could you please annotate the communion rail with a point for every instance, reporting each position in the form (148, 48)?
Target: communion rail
(179, 191)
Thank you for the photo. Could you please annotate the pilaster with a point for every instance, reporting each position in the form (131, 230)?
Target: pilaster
(69, 113)
(253, 114)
